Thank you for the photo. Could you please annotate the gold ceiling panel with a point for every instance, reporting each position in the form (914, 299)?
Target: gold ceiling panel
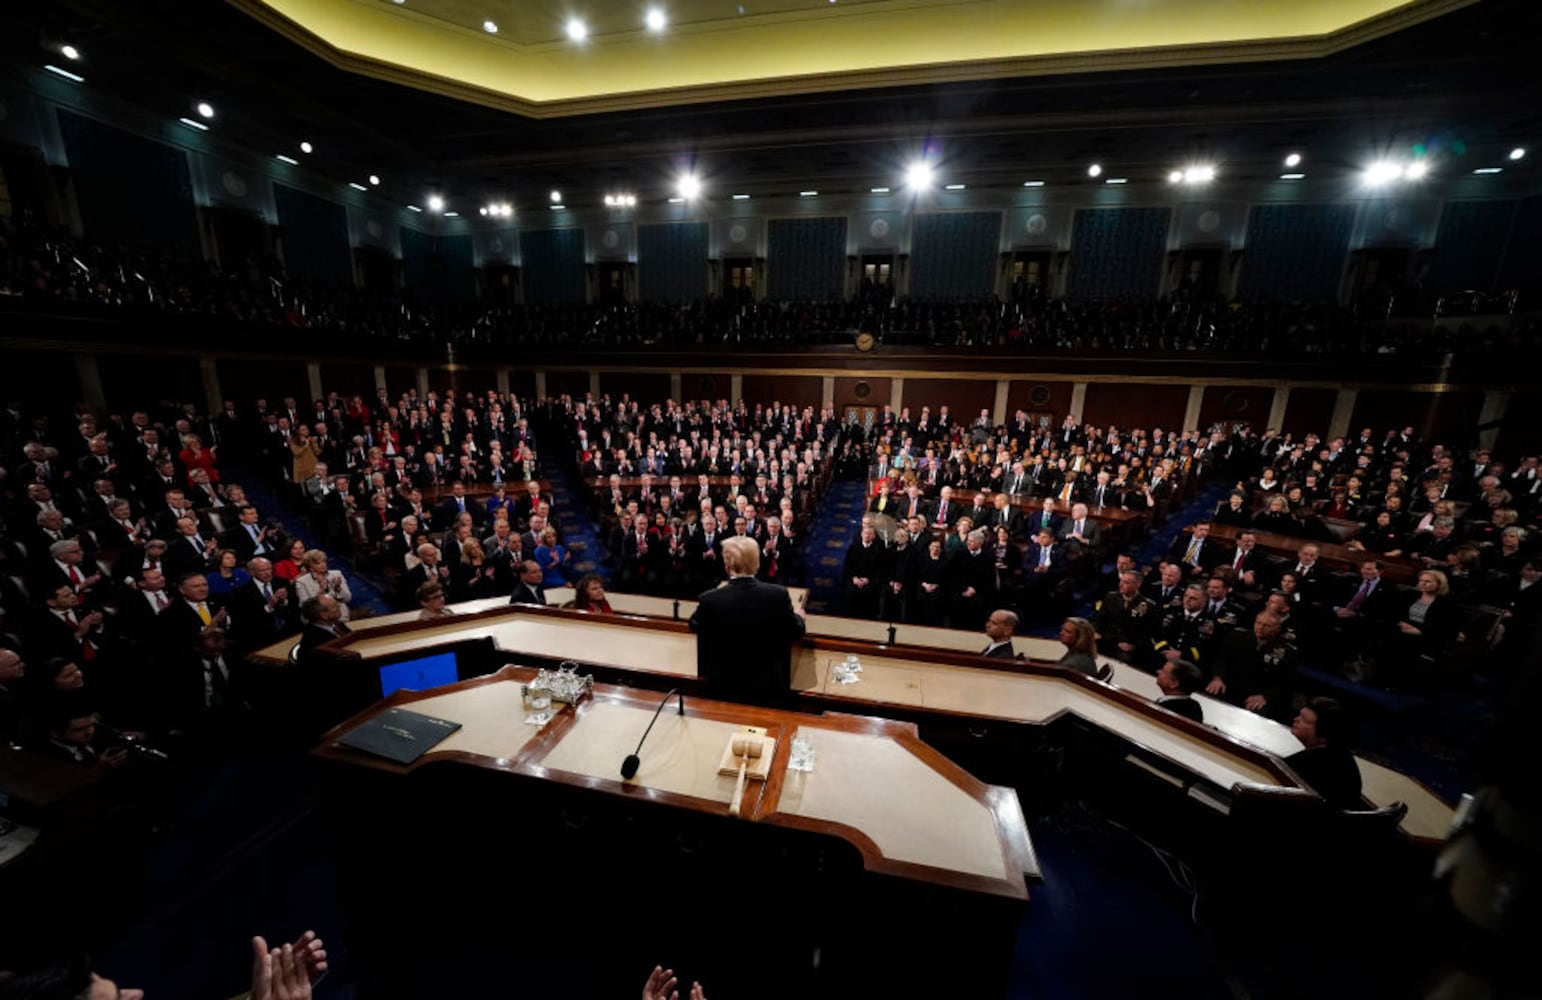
(710, 52)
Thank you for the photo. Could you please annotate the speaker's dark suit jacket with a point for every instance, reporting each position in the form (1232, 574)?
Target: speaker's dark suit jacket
(744, 636)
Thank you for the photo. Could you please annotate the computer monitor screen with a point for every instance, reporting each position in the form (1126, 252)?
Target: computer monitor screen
(419, 674)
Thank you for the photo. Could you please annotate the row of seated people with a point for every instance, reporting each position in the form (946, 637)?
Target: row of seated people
(51, 266)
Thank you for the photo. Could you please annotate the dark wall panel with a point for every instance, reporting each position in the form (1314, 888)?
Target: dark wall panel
(1447, 417)
(953, 254)
(349, 380)
(574, 384)
(645, 387)
(706, 385)
(1470, 244)
(806, 258)
(438, 268)
(1522, 267)
(400, 379)
(802, 390)
(315, 236)
(964, 398)
(522, 383)
(1519, 434)
(1037, 396)
(1310, 410)
(1117, 252)
(1135, 404)
(672, 261)
(1296, 251)
(131, 381)
(131, 189)
(44, 381)
(247, 379)
(1231, 404)
(848, 393)
(553, 264)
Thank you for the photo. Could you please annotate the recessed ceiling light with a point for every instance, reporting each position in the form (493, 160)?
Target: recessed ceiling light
(452, 215)
(555, 196)
(1175, 177)
(953, 187)
(435, 203)
(808, 194)
(690, 186)
(559, 208)
(577, 29)
(357, 186)
(879, 190)
(413, 208)
(1096, 170)
(206, 109)
(918, 176)
(200, 126)
(1117, 180)
(482, 210)
(1291, 177)
(1416, 170)
(56, 71)
(287, 159)
(69, 52)
(1382, 172)
(1202, 174)
(306, 147)
(741, 197)
(491, 27)
(1293, 160)
(1033, 184)
(1518, 152)
(655, 19)
(676, 200)
(1489, 170)
(374, 180)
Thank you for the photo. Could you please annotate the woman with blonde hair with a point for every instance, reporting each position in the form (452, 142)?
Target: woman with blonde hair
(317, 580)
(195, 456)
(1081, 646)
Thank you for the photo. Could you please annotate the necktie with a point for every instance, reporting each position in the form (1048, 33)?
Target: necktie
(160, 600)
(1236, 563)
(1044, 551)
(1065, 494)
(75, 576)
(267, 593)
(1100, 496)
(216, 678)
(1360, 596)
(1081, 527)
(1192, 551)
(203, 613)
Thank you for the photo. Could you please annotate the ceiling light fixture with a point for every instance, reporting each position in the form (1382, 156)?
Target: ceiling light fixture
(1096, 170)
(918, 176)
(741, 197)
(413, 208)
(56, 71)
(1416, 170)
(1033, 184)
(206, 109)
(808, 194)
(287, 159)
(577, 30)
(1175, 177)
(879, 190)
(435, 203)
(1519, 152)
(491, 27)
(357, 186)
(1489, 170)
(374, 180)
(953, 187)
(555, 196)
(559, 208)
(200, 126)
(676, 200)
(1117, 180)
(1202, 174)
(655, 19)
(306, 147)
(690, 186)
(452, 215)
(69, 52)
(1291, 177)
(1382, 172)
(1293, 160)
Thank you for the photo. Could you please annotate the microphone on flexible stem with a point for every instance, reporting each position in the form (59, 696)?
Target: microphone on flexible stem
(892, 633)
(677, 618)
(633, 761)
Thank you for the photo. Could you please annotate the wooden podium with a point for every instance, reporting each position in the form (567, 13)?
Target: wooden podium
(508, 832)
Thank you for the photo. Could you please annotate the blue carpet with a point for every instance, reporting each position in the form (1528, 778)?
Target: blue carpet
(368, 591)
(575, 525)
(835, 527)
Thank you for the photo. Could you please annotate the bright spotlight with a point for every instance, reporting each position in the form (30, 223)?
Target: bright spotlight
(1096, 170)
(1416, 170)
(206, 109)
(1517, 153)
(374, 180)
(577, 30)
(482, 210)
(690, 186)
(306, 147)
(1175, 177)
(1293, 160)
(491, 27)
(1199, 175)
(69, 52)
(435, 203)
(918, 176)
(1382, 172)
(655, 19)
(555, 196)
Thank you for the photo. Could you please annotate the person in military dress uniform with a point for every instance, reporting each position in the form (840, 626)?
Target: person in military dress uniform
(1124, 619)
(1184, 632)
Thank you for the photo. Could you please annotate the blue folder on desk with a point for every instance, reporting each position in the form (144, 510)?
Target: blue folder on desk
(399, 735)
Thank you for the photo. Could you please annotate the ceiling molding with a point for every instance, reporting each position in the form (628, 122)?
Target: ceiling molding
(1110, 60)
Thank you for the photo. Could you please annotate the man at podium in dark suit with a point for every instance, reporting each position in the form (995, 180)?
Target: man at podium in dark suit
(744, 632)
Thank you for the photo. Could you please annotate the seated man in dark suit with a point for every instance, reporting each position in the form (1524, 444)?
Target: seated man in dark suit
(1326, 764)
(998, 629)
(323, 622)
(744, 632)
(529, 590)
(1178, 680)
(457, 503)
(1195, 552)
(1045, 518)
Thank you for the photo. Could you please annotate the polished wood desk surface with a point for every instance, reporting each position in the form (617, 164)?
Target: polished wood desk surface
(911, 812)
(1001, 695)
(1338, 558)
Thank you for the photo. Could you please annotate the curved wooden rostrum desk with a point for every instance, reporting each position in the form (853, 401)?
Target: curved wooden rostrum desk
(928, 674)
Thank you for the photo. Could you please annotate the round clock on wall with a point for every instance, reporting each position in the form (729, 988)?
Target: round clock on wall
(866, 341)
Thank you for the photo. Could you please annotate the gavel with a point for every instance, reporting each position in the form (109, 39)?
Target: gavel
(746, 748)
